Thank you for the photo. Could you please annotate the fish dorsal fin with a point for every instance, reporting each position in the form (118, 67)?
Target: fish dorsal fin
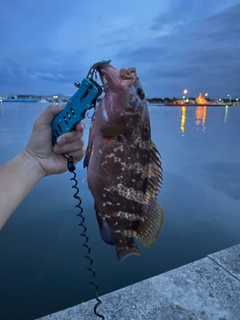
(112, 131)
(152, 212)
(154, 178)
(149, 227)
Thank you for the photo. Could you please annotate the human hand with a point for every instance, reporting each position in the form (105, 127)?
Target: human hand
(49, 159)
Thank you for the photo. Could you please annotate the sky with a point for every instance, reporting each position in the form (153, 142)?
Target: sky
(47, 45)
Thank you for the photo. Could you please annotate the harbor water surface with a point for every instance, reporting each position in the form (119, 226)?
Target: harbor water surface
(42, 264)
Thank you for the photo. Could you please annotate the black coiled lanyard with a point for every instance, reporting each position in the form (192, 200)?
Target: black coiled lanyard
(71, 168)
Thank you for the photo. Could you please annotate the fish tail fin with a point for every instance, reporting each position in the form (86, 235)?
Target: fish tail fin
(126, 248)
(151, 225)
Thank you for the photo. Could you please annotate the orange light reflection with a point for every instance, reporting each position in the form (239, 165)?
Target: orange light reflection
(183, 120)
(201, 116)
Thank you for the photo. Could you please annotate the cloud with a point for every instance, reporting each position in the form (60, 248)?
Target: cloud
(202, 55)
(183, 11)
(47, 45)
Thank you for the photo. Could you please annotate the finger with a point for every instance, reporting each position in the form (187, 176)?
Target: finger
(77, 155)
(46, 118)
(80, 126)
(68, 148)
(68, 138)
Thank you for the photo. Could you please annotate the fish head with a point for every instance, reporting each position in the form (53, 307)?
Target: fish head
(124, 94)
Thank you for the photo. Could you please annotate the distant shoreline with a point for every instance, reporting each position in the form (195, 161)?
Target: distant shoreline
(189, 105)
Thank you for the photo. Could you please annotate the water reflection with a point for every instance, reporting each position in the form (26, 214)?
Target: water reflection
(200, 118)
(201, 115)
(42, 237)
(226, 113)
(183, 120)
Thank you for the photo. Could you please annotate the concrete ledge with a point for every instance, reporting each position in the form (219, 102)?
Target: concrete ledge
(228, 259)
(205, 289)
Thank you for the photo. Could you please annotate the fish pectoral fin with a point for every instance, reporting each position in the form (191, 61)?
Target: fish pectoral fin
(112, 131)
(107, 234)
(126, 248)
(149, 228)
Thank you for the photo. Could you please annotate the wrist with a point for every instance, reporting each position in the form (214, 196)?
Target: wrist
(33, 164)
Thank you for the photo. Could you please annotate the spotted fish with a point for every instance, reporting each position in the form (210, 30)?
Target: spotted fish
(124, 170)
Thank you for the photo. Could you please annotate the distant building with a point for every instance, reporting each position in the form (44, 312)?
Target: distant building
(201, 100)
(25, 96)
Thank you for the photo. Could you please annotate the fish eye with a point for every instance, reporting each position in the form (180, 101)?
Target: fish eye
(141, 93)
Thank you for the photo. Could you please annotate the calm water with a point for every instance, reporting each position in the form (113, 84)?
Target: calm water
(42, 266)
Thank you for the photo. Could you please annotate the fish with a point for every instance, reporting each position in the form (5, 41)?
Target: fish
(124, 168)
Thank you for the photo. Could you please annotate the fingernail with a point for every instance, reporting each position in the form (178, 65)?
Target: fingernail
(81, 128)
(61, 140)
(82, 125)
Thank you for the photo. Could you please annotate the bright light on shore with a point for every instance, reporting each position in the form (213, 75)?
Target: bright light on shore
(206, 94)
(185, 91)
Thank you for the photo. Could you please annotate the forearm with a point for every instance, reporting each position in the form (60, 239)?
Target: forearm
(17, 178)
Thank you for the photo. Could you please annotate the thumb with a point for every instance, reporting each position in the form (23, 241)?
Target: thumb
(46, 118)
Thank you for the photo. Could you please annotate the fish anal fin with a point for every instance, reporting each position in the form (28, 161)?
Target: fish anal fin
(151, 224)
(125, 248)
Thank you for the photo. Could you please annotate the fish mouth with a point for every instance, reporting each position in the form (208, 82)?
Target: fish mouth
(116, 79)
(108, 74)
